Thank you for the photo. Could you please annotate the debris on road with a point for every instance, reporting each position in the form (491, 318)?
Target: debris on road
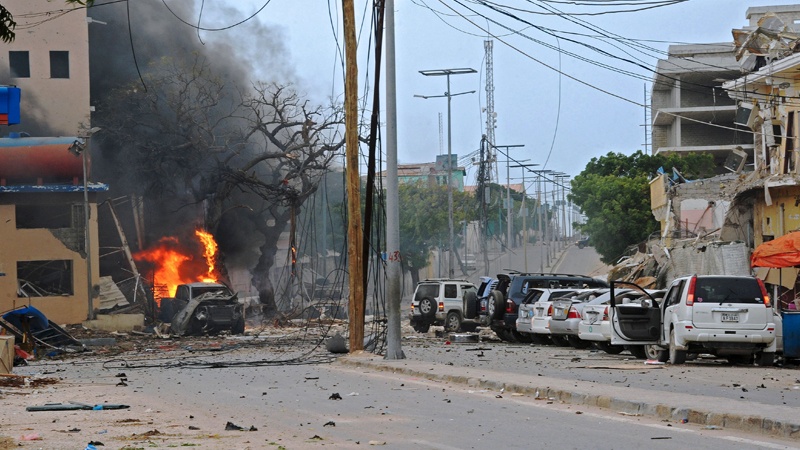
(75, 407)
(335, 396)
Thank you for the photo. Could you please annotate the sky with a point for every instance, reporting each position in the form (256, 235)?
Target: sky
(563, 120)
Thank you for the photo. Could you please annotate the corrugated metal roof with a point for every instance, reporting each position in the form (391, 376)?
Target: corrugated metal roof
(28, 188)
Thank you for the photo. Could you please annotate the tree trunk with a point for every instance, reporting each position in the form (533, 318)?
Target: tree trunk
(261, 280)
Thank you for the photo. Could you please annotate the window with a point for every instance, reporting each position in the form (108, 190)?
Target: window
(450, 291)
(19, 63)
(49, 216)
(44, 278)
(674, 295)
(59, 64)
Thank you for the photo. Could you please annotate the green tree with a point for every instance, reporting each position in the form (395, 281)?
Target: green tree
(613, 192)
(424, 222)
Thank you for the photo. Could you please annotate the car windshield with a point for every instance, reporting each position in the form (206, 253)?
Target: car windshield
(427, 290)
(217, 290)
(727, 290)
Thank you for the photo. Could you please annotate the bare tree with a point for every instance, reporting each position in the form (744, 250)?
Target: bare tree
(195, 138)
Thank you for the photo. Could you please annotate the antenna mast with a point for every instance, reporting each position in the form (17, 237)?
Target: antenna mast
(491, 117)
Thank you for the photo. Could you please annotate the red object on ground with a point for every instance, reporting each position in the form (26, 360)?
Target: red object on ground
(22, 353)
(781, 252)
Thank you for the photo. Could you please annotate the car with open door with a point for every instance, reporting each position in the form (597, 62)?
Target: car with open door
(723, 315)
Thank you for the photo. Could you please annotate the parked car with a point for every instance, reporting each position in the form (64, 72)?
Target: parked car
(583, 242)
(595, 327)
(503, 302)
(446, 302)
(566, 317)
(530, 312)
(727, 316)
(542, 315)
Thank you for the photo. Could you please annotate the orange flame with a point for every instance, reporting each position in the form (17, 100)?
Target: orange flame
(170, 260)
(209, 253)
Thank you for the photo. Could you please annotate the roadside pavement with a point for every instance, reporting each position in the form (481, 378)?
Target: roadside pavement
(713, 412)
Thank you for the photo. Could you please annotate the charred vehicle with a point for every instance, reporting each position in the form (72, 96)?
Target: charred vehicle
(204, 309)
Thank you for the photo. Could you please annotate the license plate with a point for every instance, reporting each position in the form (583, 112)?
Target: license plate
(730, 317)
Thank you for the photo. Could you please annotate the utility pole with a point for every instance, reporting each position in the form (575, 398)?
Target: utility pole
(508, 191)
(524, 213)
(354, 232)
(394, 269)
(542, 221)
(562, 178)
(447, 73)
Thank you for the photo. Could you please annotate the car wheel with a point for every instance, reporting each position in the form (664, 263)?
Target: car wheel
(540, 339)
(453, 322)
(525, 338)
(427, 307)
(637, 351)
(495, 304)
(422, 327)
(675, 356)
(766, 359)
(652, 351)
(470, 305)
(577, 342)
(560, 341)
(608, 348)
(238, 327)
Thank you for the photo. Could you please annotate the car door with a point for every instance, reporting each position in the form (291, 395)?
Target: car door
(636, 323)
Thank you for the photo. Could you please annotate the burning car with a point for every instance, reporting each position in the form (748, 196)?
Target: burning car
(204, 308)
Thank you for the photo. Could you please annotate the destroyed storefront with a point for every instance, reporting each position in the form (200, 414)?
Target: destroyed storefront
(43, 224)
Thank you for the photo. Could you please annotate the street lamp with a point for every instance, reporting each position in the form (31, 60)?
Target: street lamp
(82, 148)
(524, 213)
(447, 73)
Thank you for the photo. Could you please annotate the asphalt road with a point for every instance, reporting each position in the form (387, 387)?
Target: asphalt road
(298, 406)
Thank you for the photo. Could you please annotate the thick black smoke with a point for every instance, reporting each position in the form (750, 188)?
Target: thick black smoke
(137, 35)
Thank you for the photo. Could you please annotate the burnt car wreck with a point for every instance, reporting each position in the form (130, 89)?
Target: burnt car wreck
(200, 309)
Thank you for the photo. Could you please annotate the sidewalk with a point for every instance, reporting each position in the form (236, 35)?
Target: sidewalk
(774, 420)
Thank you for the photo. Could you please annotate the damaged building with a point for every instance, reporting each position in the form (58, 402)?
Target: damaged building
(713, 225)
(43, 199)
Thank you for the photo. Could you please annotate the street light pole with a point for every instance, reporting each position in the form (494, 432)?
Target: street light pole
(447, 73)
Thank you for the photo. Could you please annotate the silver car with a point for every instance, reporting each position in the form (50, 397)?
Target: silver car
(566, 316)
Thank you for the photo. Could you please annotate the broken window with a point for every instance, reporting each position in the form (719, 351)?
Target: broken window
(50, 216)
(44, 278)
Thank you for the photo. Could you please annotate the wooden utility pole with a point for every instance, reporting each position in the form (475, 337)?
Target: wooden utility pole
(354, 232)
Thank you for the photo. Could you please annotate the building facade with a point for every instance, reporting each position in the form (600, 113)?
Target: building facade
(44, 229)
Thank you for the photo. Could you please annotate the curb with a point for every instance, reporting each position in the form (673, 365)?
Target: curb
(788, 427)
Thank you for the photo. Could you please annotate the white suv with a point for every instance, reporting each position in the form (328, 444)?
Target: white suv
(444, 301)
(728, 316)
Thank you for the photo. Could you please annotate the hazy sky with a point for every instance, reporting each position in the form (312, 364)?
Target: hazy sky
(535, 105)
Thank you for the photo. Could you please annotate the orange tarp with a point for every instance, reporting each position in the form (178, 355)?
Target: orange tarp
(781, 252)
